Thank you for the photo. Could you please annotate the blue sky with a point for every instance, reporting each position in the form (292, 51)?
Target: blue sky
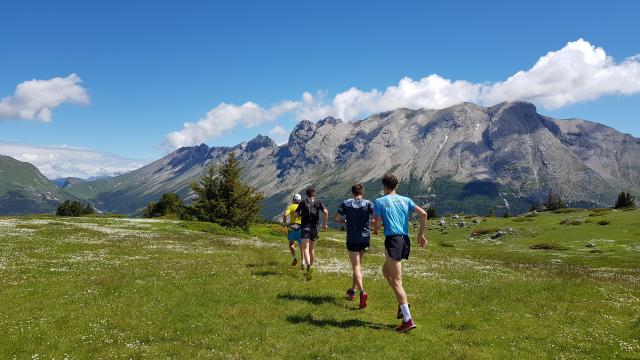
(147, 68)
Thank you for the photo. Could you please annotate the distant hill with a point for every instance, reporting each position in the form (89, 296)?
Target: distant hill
(462, 158)
(24, 190)
(63, 183)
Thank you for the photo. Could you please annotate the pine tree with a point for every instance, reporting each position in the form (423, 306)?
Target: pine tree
(553, 202)
(625, 199)
(223, 198)
(207, 206)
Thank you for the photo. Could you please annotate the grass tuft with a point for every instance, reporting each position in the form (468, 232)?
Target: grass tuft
(484, 231)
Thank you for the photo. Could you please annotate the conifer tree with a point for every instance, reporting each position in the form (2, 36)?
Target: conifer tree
(223, 198)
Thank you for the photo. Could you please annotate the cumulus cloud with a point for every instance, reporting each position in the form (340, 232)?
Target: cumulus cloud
(35, 99)
(578, 72)
(223, 118)
(279, 134)
(65, 161)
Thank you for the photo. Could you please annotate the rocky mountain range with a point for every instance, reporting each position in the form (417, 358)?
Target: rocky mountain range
(462, 158)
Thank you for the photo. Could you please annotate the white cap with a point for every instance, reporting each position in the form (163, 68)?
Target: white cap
(297, 197)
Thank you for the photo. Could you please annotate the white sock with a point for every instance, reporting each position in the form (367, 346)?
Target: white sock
(405, 312)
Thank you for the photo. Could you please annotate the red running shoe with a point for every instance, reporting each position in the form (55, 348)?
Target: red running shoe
(406, 326)
(363, 300)
(351, 294)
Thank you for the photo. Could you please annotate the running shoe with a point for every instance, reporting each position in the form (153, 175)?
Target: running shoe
(351, 294)
(309, 273)
(363, 300)
(406, 326)
(294, 262)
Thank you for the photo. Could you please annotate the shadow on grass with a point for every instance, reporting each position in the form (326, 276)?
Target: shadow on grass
(315, 300)
(345, 324)
(265, 273)
(268, 263)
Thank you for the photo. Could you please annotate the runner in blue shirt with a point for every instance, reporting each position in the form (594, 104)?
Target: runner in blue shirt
(356, 214)
(394, 212)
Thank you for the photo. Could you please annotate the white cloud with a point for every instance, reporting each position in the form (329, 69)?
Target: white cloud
(576, 73)
(279, 134)
(64, 161)
(35, 99)
(223, 118)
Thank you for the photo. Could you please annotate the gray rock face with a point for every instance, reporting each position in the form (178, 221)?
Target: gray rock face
(509, 146)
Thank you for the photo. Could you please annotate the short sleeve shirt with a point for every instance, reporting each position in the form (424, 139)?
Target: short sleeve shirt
(307, 220)
(357, 212)
(291, 212)
(395, 211)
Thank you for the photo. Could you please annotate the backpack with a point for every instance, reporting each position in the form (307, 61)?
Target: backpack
(310, 213)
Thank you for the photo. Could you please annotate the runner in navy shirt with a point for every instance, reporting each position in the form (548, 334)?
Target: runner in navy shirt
(356, 213)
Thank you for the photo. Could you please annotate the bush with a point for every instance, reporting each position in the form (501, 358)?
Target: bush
(431, 212)
(553, 202)
(603, 222)
(74, 208)
(625, 200)
(169, 204)
(536, 206)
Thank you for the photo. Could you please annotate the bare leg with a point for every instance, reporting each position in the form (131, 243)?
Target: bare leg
(356, 259)
(312, 252)
(292, 248)
(305, 251)
(393, 269)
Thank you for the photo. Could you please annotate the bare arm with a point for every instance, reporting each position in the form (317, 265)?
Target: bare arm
(325, 218)
(376, 224)
(422, 241)
(284, 217)
(338, 219)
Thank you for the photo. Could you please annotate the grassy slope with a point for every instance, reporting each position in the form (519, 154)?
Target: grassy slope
(23, 189)
(94, 287)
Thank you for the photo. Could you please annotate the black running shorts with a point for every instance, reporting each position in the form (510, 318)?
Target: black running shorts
(398, 246)
(310, 233)
(357, 247)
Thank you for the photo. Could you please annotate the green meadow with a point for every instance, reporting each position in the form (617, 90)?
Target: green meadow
(550, 286)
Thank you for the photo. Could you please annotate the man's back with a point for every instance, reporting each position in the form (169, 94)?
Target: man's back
(357, 212)
(309, 211)
(394, 210)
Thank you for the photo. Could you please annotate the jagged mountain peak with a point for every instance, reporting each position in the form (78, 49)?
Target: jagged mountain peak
(260, 142)
(329, 120)
(509, 149)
